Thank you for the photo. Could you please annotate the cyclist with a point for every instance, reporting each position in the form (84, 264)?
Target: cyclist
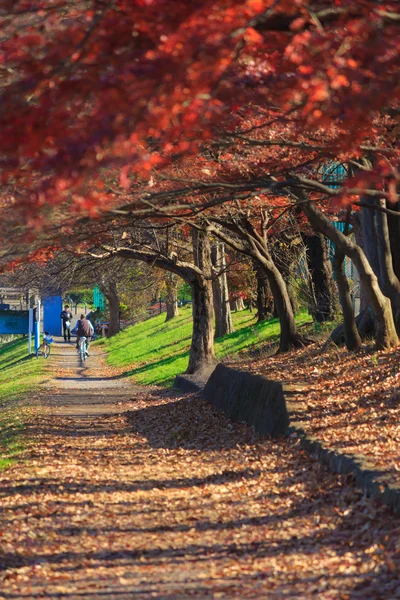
(66, 317)
(45, 347)
(84, 329)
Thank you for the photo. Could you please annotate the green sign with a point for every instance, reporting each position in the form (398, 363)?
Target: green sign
(14, 321)
(99, 300)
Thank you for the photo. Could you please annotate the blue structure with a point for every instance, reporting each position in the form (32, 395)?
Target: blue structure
(334, 172)
(99, 300)
(36, 333)
(14, 321)
(52, 308)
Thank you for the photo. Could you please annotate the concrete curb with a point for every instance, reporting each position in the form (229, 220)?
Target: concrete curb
(369, 479)
(373, 482)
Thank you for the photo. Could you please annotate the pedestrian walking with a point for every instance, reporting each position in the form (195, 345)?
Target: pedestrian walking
(66, 317)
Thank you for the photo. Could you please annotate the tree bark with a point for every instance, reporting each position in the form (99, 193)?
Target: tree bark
(222, 309)
(370, 237)
(110, 291)
(289, 336)
(171, 298)
(386, 336)
(256, 247)
(394, 234)
(238, 304)
(319, 266)
(389, 283)
(351, 335)
(202, 354)
(265, 303)
(202, 347)
(284, 263)
(359, 237)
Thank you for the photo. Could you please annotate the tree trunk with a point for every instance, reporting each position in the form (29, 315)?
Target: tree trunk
(289, 336)
(370, 237)
(319, 265)
(171, 298)
(389, 283)
(222, 309)
(239, 304)
(198, 276)
(265, 303)
(386, 335)
(359, 236)
(351, 335)
(394, 234)
(111, 293)
(202, 348)
(256, 247)
(284, 263)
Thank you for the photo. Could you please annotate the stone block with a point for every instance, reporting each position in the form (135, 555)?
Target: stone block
(249, 398)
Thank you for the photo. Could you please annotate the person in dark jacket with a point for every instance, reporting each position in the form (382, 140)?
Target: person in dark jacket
(84, 329)
(66, 317)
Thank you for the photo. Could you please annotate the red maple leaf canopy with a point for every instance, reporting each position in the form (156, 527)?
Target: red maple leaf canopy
(96, 95)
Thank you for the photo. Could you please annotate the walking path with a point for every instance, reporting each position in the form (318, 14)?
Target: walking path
(135, 493)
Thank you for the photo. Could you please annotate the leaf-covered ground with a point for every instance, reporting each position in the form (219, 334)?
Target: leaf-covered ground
(350, 401)
(167, 499)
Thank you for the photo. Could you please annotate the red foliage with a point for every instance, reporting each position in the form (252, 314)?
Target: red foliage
(126, 85)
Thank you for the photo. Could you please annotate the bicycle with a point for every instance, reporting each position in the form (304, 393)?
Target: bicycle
(82, 349)
(44, 348)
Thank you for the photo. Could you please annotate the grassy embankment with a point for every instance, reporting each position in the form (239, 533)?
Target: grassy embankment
(18, 375)
(154, 352)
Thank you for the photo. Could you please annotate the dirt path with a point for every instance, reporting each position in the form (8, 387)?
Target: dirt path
(169, 500)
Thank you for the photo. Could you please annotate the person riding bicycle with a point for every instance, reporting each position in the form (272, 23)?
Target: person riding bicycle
(47, 339)
(66, 317)
(84, 329)
(44, 348)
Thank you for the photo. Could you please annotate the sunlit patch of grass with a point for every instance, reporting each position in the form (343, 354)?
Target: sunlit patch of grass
(154, 352)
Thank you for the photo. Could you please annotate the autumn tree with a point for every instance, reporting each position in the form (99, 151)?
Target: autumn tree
(222, 309)
(99, 100)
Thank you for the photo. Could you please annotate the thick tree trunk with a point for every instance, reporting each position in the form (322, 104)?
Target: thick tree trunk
(238, 304)
(386, 335)
(285, 266)
(289, 336)
(359, 237)
(256, 246)
(265, 303)
(389, 283)
(222, 309)
(394, 235)
(111, 293)
(351, 335)
(370, 237)
(320, 269)
(293, 297)
(171, 298)
(202, 354)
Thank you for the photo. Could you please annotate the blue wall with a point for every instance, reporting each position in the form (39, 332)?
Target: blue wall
(52, 308)
(14, 321)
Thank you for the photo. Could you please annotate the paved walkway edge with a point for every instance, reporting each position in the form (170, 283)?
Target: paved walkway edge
(370, 480)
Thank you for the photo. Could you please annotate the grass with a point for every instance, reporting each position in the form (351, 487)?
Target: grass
(18, 375)
(154, 352)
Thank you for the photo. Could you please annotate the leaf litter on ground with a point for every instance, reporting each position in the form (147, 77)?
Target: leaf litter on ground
(350, 401)
(168, 499)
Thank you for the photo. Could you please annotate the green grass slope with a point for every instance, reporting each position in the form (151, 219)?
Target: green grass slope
(154, 352)
(18, 375)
